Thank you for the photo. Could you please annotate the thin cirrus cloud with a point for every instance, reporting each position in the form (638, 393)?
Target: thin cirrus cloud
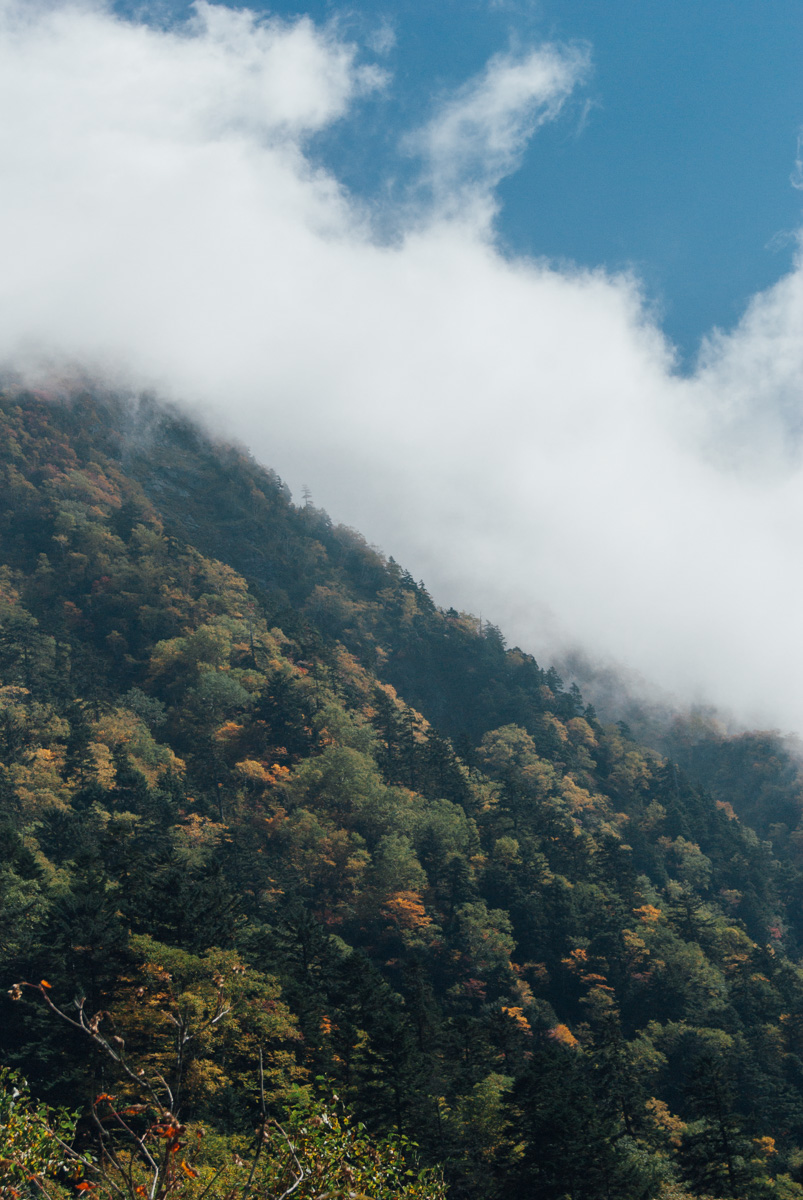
(796, 178)
(514, 431)
(480, 133)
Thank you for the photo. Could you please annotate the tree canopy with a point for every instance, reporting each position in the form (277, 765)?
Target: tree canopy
(299, 869)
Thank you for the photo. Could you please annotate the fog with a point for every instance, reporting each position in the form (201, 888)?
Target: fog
(515, 432)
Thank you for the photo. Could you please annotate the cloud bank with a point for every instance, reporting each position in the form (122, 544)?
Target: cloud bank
(512, 431)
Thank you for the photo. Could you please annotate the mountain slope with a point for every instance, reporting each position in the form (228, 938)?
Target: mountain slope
(230, 728)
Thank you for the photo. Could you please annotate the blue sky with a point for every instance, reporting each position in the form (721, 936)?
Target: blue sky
(674, 159)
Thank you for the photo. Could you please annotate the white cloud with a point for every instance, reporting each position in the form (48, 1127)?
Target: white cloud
(382, 38)
(514, 433)
(796, 178)
(480, 133)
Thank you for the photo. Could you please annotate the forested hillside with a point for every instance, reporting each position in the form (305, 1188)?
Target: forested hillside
(314, 852)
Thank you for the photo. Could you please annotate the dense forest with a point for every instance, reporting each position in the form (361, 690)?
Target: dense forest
(310, 887)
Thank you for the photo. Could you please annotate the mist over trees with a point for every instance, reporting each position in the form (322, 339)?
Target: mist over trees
(353, 898)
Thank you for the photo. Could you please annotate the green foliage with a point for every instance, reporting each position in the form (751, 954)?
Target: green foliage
(36, 1155)
(261, 797)
(333, 1155)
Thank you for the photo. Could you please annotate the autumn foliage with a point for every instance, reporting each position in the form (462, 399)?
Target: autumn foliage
(275, 828)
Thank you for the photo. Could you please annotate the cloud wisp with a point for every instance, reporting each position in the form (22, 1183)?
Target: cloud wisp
(514, 432)
(480, 133)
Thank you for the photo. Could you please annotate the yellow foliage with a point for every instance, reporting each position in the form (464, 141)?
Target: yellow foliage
(104, 766)
(648, 914)
(540, 776)
(557, 726)
(38, 783)
(407, 910)
(252, 771)
(664, 1120)
(635, 946)
(122, 729)
(577, 798)
(198, 833)
(204, 1018)
(228, 732)
(564, 1036)
(577, 960)
(654, 816)
(580, 732)
(631, 773)
(517, 1016)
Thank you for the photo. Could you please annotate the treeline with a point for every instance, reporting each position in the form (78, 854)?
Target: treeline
(256, 787)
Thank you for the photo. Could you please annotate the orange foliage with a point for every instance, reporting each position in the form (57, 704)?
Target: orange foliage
(517, 1016)
(407, 910)
(666, 1121)
(254, 772)
(563, 1035)
(577, 960)
(228, 731)
(648, 913)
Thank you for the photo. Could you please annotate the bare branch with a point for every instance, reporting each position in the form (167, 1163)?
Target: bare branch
(291, 1148)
